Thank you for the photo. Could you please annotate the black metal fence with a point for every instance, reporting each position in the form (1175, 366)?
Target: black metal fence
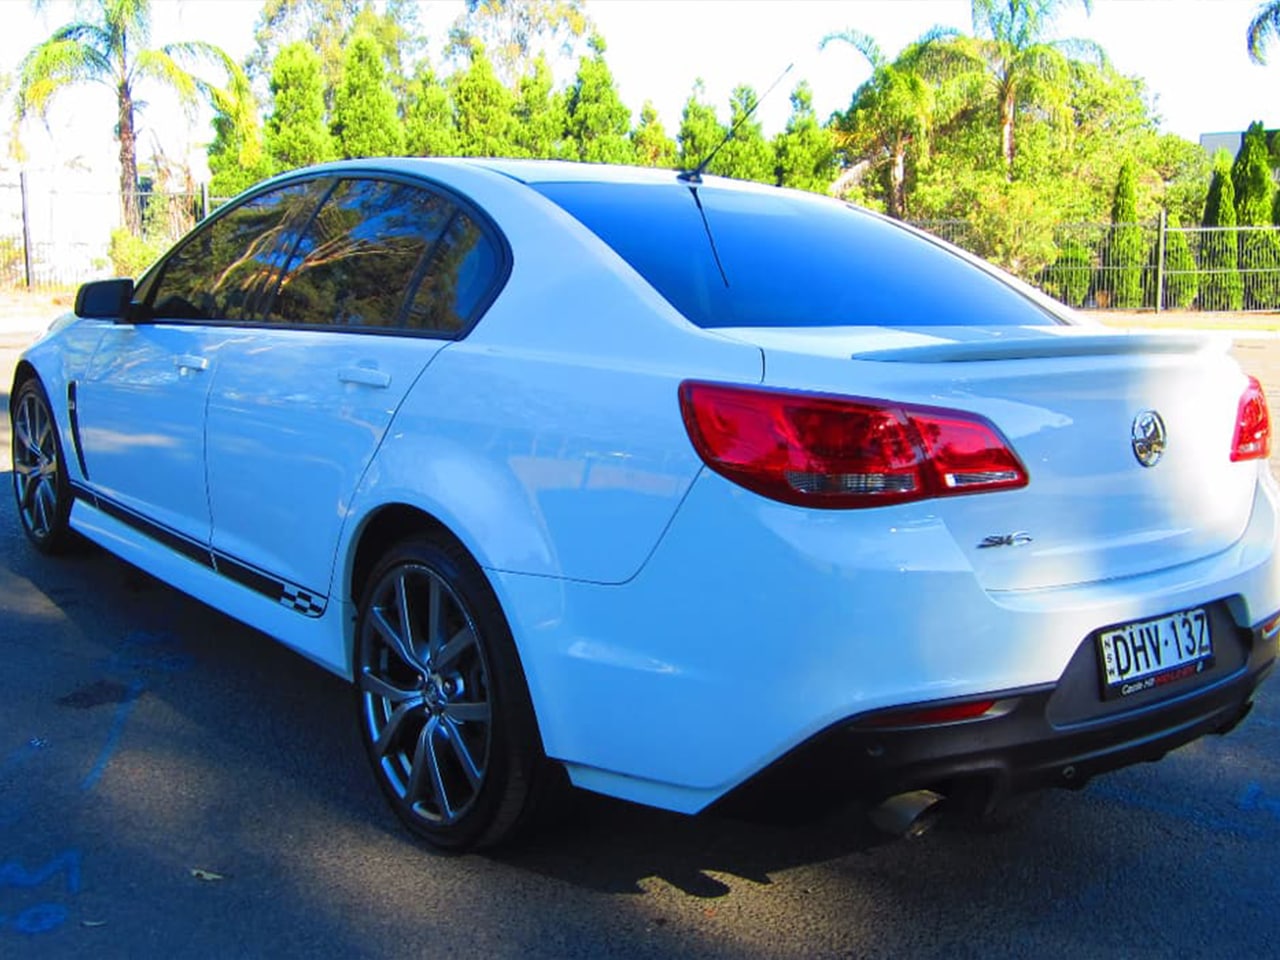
(1150, 266)
(57, 238)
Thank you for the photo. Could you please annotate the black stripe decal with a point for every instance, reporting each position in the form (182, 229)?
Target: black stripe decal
(75, 428)
(248, 577)
(309, 603)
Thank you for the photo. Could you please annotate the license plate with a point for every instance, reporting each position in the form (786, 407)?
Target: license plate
(1151, 653)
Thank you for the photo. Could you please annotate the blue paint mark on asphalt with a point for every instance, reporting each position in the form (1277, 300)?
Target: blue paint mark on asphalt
(1252, 798)
(140, 655)
(40, 918)
(14, 874)
(46, 916)
(113, 735)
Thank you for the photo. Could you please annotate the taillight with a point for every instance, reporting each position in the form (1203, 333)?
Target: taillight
(817, 450)
(1252, 440)
(930, 716)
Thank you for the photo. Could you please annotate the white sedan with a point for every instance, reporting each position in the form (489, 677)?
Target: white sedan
(690, 490)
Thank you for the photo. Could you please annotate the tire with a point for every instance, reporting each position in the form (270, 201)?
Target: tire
(444, 711)
(40, 485)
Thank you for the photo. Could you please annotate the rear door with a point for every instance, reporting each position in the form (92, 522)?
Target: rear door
(384, 276)
(140, 408)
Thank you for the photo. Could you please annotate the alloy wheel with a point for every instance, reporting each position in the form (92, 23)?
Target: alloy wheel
(425, 694)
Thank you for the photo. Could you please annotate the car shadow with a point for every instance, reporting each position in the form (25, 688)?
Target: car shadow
(251, 699)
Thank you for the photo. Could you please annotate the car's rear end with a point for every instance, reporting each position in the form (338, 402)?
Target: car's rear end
(952, 540)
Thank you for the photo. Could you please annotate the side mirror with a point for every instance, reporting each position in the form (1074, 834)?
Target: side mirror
(105, 299)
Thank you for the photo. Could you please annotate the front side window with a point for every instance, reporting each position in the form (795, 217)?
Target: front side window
(360, 255)
(221, 270)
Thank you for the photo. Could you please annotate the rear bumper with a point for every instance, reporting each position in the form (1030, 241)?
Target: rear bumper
(755, 626)
(1015, 750)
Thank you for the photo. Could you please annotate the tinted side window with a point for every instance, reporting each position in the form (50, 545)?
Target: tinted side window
(357, 259)
(219, 272)
(461, 271)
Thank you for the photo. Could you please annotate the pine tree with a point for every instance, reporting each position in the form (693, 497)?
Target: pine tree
(1125, 253)
(700, 130)
(428, 122)
(747, 155)
(1067, 278)
(296, 134)
(365, 121)
(652, 146)
(1221, 287)
(1181, 282)
(597, 120)
(539, 127)
(1259, 249)
(1251, 179)
(804, 153)
(482, 108)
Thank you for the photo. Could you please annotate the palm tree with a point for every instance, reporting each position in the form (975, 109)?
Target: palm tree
(109, 46)
(1263, 28)
(890, 113)
(1019, 65)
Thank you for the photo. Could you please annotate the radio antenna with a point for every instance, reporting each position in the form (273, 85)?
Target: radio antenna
(695, 175)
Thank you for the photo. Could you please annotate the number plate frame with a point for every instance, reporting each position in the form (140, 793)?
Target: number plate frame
(1150, 654)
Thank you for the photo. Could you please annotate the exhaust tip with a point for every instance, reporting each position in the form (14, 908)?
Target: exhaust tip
(907, 815)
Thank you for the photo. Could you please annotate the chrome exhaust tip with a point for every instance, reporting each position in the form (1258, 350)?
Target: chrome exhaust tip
(907, 815)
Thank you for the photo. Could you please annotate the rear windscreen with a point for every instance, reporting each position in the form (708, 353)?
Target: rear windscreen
(751, 259)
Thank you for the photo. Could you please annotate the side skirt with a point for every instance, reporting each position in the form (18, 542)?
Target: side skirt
(317, 636)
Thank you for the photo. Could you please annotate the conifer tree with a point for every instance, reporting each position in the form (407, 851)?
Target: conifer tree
(482, 108)
(539, 127)
(1221, 287)
(1259, 249)
(804, 153)
(1251, 179)
(1125, 250)
(295, 133)
(1181, 282)
(428, 122)
(747, 155)
(597, 120)
(365, 120)
(700, 130)
(652, 146)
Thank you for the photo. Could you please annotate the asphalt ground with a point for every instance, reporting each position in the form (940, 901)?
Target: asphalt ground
(175, 784)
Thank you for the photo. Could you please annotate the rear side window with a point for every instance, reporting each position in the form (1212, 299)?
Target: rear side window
(221, 270)
(360, 256)
(764, 259)
(455, 280)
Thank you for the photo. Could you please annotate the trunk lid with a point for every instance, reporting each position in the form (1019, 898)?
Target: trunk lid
(1067, 399)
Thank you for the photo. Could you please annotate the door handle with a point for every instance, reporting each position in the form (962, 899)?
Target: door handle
(366, 376)
(191, 362)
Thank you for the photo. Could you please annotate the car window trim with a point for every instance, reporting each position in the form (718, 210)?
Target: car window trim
(462, 203)
(155, 275)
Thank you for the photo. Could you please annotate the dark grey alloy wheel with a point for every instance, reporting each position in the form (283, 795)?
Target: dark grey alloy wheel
(444, 710)
(40, 483)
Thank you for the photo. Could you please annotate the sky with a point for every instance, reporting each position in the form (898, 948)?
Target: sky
(1191, 53)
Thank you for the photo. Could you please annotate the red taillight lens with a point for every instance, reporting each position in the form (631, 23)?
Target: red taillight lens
(929, 716)
(824, 451)
(1252, 440)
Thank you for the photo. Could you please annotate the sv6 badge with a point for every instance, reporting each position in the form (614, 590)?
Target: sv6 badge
(1019, 539)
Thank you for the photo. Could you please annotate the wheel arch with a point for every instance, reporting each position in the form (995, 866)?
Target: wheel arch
(24, 371)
